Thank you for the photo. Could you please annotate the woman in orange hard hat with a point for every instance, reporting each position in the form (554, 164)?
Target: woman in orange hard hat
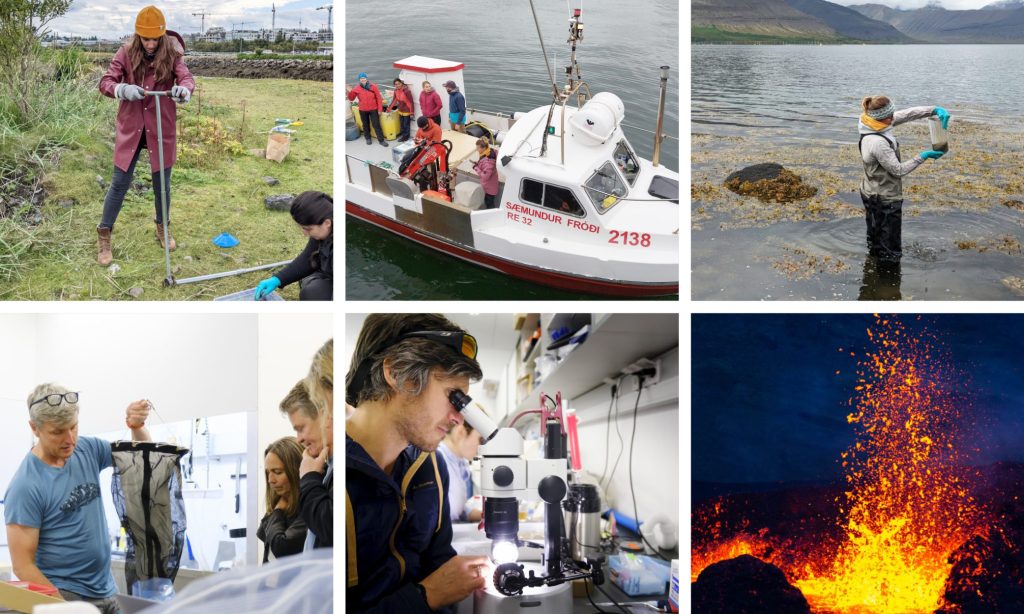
(150, 61)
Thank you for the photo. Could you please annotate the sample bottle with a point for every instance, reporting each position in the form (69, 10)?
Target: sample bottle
(939, 135)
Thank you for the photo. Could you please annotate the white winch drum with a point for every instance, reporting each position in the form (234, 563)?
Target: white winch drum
(613, 102)
(594, 124)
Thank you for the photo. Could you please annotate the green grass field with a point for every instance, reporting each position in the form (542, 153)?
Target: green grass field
(216, 187)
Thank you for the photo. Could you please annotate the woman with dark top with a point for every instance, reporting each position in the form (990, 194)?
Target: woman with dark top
(314, 267)
(282, 530)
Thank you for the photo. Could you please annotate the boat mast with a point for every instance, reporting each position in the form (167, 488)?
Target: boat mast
(574, 83)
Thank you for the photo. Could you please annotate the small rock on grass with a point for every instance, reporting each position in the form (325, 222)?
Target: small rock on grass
(102, 182)
(270, 181)
(114, 269)
(135, 292)
(279, 202)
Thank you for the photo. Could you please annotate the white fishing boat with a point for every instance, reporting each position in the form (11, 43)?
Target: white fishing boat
(577, 208)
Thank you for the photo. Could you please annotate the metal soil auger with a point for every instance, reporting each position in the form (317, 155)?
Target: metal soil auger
(169, 279)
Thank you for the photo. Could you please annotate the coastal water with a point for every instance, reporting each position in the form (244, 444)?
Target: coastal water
(798, 105)
(623, 46)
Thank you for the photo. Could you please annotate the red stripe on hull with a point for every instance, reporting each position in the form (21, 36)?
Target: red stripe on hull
(545, 277)
(427, 70)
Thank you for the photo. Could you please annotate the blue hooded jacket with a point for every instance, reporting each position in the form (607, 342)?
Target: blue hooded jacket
(381, 579)
(457, 103)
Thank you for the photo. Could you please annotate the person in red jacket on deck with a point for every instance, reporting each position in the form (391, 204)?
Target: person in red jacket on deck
(429, 132)
(402, 101)
(370, 103)
(150, 61)
(430, 103)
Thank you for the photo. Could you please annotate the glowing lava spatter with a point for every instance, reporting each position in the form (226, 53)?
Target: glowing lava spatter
(906, 508)
(906, 505)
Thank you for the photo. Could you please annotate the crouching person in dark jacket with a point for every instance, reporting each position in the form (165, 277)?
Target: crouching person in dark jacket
(398, 526)
(314, 267)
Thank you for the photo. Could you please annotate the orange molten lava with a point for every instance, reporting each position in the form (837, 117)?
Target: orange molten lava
(906, 507)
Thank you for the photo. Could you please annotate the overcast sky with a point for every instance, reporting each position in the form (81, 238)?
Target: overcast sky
(113, 19)
(957, 5)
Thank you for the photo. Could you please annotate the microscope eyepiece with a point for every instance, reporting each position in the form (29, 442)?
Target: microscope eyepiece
(459, 399)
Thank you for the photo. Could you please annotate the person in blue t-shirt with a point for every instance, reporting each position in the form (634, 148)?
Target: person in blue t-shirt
(56, 529)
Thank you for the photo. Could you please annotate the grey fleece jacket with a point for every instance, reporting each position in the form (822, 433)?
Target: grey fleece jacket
(880, 152)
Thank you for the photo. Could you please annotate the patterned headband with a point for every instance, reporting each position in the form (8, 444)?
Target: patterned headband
(882, 113)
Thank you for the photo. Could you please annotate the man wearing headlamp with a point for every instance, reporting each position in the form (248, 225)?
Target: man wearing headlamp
(398, 528)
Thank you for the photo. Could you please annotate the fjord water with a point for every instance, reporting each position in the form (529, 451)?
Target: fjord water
(623, 47)
(798, 105)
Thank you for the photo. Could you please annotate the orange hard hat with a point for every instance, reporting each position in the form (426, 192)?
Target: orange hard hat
(150, 23)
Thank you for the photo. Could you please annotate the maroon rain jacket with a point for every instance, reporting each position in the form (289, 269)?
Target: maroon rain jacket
(135, 116)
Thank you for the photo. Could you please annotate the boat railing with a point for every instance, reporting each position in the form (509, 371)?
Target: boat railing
(369, 175)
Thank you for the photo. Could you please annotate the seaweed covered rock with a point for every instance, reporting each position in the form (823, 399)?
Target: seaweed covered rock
(769, 182)
(746, 585)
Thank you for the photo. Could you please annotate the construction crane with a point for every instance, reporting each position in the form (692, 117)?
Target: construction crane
(202, 20)
(330, 11)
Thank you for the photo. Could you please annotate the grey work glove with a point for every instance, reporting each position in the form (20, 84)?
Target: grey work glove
(127, 91)
(180, 94)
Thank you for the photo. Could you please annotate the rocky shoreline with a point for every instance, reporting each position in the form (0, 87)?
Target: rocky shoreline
(208, 66)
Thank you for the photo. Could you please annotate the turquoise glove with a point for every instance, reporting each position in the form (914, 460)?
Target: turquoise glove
(265, 287)
(943, 116)
(931, 153)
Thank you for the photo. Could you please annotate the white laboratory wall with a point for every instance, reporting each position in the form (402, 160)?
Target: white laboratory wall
(187, 365)
(17, 358)
(286, 349)
(656, 479)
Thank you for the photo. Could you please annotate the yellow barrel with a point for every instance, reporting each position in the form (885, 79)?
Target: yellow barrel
(389, 123)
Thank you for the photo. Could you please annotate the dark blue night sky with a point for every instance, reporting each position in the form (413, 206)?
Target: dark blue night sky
(768, 406)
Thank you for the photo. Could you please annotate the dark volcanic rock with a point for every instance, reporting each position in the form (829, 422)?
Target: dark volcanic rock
(988, 570)
(746, 585)
(279, 202)
(769, 182)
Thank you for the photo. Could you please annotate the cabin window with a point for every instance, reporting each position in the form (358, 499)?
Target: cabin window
(551, 197)
(626, 161)
(605, 187)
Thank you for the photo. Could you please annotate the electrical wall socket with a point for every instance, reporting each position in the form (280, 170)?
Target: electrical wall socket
(639, 365)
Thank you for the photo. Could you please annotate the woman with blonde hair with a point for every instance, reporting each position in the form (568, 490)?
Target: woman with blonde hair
(316, 481)
(150, 61)
(282, 530)
(881, 190)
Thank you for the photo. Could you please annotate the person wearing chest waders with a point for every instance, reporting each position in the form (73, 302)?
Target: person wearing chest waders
(151, 60)
(881, 190)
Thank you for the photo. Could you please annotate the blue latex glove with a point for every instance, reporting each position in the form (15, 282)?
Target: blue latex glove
(943, 116)
(930, 154)
(265, 287)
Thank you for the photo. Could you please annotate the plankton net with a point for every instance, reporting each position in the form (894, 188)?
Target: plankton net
(147, 496)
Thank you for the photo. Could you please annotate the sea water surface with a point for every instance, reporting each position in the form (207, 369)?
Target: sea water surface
(623, 46)
(798, 104)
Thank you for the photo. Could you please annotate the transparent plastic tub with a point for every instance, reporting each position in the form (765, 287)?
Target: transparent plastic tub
(638, 574)
(300, 584)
